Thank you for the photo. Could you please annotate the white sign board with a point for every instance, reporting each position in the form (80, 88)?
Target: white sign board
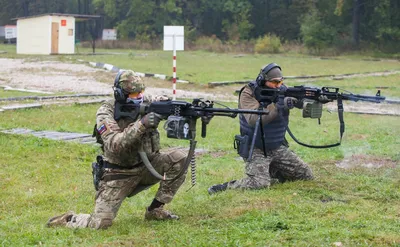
(109, 34)
(10, 32)
(173, 34)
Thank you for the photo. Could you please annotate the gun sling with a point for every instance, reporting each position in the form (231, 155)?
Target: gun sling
(342, 126)
(153, 171)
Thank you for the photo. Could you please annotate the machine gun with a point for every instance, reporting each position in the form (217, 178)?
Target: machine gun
(312, 106)
(181, 118)
(181, 115)
(314, 93)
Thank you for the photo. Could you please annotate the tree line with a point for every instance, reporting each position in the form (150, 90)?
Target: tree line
(314, 23)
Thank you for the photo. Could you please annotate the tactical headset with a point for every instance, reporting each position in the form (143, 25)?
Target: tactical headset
(118, 91)
(264, 71)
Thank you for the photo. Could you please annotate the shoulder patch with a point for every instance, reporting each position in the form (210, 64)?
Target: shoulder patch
(102, 128)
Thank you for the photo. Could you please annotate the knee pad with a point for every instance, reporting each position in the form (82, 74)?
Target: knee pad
(177, 156)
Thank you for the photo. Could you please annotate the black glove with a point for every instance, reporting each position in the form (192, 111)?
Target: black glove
(151, 120)
(289, 102)
(323, 99)
(206, 119)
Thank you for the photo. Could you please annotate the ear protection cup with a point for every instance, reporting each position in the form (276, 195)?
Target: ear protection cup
(264, 71)
(118, 92)
(260, 79)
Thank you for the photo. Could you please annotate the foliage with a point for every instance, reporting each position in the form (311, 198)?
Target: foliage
(270, 43)
(208, 43)
(388, 35)
(337, 23)
(236, 25)
(315, 34)
(278, 17)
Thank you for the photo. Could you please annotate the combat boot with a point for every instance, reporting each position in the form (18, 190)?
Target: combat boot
(217, 188)
(159, 214)
(60, 220)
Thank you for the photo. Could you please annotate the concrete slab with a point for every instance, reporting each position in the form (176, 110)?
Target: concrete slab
(24, 106)
(54, 135)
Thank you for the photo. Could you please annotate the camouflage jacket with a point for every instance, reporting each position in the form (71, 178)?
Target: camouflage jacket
(123, 138)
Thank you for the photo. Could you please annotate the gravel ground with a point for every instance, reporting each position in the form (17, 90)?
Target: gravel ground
(54, 76)
(50, 76)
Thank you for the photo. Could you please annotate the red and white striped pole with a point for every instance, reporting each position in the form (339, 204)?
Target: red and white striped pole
(174, 70)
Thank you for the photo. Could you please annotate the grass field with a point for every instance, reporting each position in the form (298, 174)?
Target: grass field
(353, 206)
(13, 93)
(203, 67)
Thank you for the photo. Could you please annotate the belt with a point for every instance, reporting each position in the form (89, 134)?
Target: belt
(113, 166)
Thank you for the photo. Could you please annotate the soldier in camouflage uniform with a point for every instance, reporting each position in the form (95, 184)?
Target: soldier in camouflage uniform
(279, 164)
(124, 173)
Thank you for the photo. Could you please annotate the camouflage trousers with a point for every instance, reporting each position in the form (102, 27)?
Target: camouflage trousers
(111, 193)
(280, 164)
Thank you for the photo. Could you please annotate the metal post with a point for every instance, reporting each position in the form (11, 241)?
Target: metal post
(174, 69)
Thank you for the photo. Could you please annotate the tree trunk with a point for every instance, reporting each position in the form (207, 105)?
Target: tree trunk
(26, 7)
(356, 23)
(79, 24)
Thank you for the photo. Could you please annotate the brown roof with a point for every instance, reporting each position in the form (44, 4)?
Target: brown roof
(77, 16)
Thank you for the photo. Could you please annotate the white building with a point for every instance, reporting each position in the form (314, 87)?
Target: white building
(48, 33)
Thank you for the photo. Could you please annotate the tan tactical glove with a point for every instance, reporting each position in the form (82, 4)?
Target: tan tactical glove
(151, 120)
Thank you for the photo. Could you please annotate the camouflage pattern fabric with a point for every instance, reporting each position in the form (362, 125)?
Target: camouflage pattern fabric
(121, 141)
(111, 193)
(279, 163)
(130, 82)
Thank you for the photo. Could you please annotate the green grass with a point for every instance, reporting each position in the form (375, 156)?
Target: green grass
(8, 48)
(12, 94)
(359, 207)
(204, 67)
(59, 118)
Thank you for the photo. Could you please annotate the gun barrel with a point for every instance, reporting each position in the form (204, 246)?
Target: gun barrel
(359, 97)
(243, 111)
